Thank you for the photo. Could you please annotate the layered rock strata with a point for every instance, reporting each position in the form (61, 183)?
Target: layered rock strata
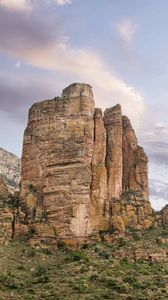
(135, 171)
(77, 163)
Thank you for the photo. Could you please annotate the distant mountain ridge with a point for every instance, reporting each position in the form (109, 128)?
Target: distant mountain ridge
(10, 169)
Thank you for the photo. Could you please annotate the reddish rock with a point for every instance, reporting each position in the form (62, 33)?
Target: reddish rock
(3, 189)
(80, 169)
(135, 162)
(99, 196)
(113, 124)
(56, 160)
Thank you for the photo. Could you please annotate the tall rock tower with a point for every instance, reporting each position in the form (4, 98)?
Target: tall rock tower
(77, 162)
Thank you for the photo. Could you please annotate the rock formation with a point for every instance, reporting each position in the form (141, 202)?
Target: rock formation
(3, 189)
(10, 169)
(5, 214)
(82, 171)
(135, 172)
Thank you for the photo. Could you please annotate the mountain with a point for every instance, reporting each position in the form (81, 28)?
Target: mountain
(82, 169)
(10, 169)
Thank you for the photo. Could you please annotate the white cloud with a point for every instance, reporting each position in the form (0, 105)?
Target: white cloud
(17, 5)
(37, 42)
(126, 30)
(85, 65)
(18, 65)
(63, 2)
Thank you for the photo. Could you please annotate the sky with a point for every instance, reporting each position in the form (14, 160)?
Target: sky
(119, 47)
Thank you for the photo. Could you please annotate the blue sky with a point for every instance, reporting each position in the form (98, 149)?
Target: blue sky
(118, 46)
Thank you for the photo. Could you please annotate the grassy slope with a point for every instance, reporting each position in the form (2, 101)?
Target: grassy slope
(91, 273)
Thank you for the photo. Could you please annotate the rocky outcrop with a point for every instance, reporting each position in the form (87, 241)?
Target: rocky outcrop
(161, 217)
(113, 124)
(6, 216)
(56, 162)
(135, 172)
(3, 189)
(99, 193)
(10, 169)
(78, 166)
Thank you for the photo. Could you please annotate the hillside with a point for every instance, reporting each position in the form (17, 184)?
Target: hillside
(91, 272)
(10, 169)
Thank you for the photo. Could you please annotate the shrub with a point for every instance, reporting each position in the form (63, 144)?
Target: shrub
(61, 244)
(31, 231)
(104, 255)
(8, 282)
(85, 246)
(132, 280)
(77, 256)
(159, 282)
(46, 251)
(31, 252)
(41, 275)
(41, 270)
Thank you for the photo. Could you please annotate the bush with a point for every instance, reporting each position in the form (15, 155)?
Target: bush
(46, 251)
(159, 282)
(8, 282)
(61, 244)
(132, 280)
(80, 287)
(31, 231)
(121, 242)
(77, 256)
(104, 255)
(41, 275)
(85, 246)
(31, 252)
(41, 270)
(113, 284)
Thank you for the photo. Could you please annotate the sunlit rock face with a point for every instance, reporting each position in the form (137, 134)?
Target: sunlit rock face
(135, 162)
(113, 123)
(77, 162)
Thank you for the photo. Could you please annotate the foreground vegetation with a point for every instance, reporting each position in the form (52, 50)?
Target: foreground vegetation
(90, 273)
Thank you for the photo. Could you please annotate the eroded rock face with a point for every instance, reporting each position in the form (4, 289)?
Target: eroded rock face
(10, 169)
(76, 163)
(6, 215)
(135, 171)
(57, 156)
(3, 189)
(113, 123)
(99, 193)
(161, 217)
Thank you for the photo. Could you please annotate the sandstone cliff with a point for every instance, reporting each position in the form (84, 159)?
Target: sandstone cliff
(82, 170)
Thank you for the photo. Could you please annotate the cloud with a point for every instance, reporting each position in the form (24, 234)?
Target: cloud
(18, 65)
(154, 137)
(16, 5)
(158, 193)
(62, 2)
(126, 30)
(37, 42)
(22, 35)
(16, 96)
(158, 172)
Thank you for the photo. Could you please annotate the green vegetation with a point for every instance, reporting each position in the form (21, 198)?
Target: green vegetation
(92, 272)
